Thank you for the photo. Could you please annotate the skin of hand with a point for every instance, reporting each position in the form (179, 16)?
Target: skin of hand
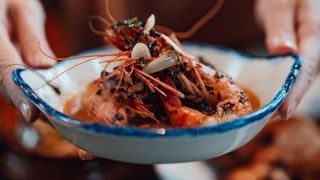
(293, 26)
(21, 30)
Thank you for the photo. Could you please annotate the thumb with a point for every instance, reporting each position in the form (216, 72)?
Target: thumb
(27, 109)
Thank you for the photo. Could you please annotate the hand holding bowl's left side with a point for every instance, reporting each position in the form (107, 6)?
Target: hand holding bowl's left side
(293, 26)
(21, 29)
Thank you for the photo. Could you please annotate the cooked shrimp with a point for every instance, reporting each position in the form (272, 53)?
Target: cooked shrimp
(182, 116)
(222, 100)
(233, 102)
(107, 112)
(157, 81)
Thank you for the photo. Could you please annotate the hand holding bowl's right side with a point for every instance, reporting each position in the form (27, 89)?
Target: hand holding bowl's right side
(293, 26)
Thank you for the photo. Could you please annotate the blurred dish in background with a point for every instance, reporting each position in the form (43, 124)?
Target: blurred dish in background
(283, 150)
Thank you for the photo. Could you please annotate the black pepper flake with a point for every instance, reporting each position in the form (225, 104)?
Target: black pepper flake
(118, 116)
(210, 90)
(104, 73)
(227, 106)
(99, 92)
(242, 98)
(230, 80)
(219, 74)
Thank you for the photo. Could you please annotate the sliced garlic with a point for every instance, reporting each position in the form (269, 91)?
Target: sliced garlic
(159, 64)
(140, 50)
(149, 23)
(174, 45)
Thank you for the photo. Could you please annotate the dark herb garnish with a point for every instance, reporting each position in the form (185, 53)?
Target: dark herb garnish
(119, 116)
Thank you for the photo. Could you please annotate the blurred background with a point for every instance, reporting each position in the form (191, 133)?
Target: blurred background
(68, 31)
(284, 150)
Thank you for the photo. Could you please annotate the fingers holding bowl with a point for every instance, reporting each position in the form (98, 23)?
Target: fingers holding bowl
(28, 19)
(277, 18)
(309, 49)
(293, 26)
(9, 60)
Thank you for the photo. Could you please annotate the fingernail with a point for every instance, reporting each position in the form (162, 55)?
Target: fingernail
(84, 155)
(43, 61)
(283, 44)
(290, 44)
(51, 61)
(25, 110)
(276, 118)
(292, 108)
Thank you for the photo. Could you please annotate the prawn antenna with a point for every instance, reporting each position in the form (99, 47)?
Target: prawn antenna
(94, 29)
(41, 76)
(109, 15)
(194, 28)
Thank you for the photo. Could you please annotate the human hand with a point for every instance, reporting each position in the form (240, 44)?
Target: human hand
(293, 26)
(21, 29)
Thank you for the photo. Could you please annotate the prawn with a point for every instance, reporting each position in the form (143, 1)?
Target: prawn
(183, 116)
(222, 100)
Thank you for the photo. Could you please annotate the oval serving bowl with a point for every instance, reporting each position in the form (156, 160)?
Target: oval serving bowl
(270, 78)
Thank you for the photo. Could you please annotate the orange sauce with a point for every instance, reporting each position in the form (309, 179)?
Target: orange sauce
(78, 113)
(253, 98)
(82, 114)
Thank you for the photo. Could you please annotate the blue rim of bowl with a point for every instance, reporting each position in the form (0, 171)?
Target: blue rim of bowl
(170, 132)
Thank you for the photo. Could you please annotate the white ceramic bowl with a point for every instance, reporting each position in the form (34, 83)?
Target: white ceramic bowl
(270, 78)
